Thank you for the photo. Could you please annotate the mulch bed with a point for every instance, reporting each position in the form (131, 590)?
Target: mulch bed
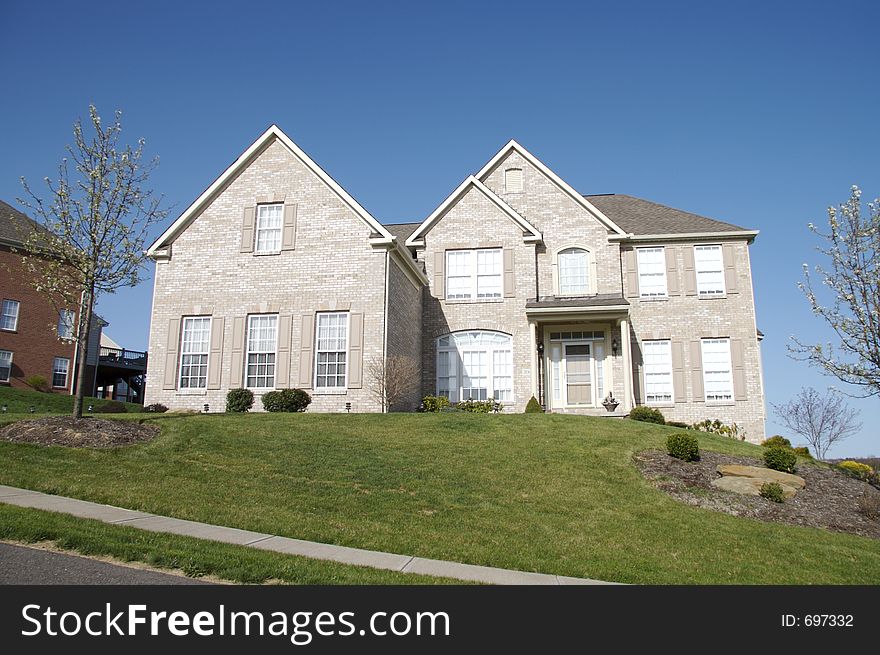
(831, 500)
(78, 433)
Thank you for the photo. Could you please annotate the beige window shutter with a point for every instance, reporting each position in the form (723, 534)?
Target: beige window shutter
(282, 359)
(699, 396)
(739, 369)
(306, 346)
(236, 366)
(672, 286)
(215, 358)
(678, 390)
(509, 279)
(439, 274)
(632, 273)
(730, 278)
(355, 351)
(690, 275)
(169, 381)
(248, 225)
(638, 372)
(594, 273)
(288, 234)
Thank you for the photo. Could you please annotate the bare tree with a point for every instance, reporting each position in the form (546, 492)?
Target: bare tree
(850, 303)
(92, 227)
(392, 378)
(821, 420)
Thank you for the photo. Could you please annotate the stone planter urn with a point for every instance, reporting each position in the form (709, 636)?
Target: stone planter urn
(610, 403)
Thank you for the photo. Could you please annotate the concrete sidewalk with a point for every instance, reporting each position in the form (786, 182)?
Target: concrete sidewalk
(312, 549)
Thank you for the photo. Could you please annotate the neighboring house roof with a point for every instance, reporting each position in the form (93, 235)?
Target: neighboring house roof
(107, 342)
(402, 231)
(14, 225)
(643, 217)
(599, 300)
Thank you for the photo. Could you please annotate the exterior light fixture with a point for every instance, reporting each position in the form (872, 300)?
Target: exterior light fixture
(348, 407)
(5, 408)
(541, 348)
(33, 409)
(206, 408)
(91, 409)
(614, 346)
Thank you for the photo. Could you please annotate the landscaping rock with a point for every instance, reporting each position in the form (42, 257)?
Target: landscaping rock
(749, 486)
(763, 474)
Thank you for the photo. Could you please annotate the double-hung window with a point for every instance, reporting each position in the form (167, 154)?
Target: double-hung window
(717, 378)
(331, 351)
(5, 365)
(574, 277)
(262, 341)
(65, 323)
(195, 343)
(709, 268)
(657, 357)
(60, 369)
(9, 315)
(474, 274)
(652, 272)
(270, 219)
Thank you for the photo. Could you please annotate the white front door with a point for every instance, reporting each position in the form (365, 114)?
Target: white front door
(571, 375)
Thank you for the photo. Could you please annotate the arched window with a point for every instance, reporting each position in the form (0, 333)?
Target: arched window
(475, 365)
(574, 272)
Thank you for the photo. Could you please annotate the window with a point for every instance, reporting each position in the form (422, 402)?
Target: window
(513, 180)
(332, 351)
(473, 274)
(574, 277)
(65, 324)
(652, 272)
(261, 342)
(269, 221)
(709, 267)
(717, 379)
(5, 365)
(9, 315)
(657, 357)
(60, 367)
(475, 365)
(195, 342)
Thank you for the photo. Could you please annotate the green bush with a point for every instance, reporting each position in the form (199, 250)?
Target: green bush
(286, 400)
(683, 446)
(647, 415)
(434, 403)
(533, 406)
(772, 491)
(239, 400)
(37, 383)
(717, 427)
(802, 451)
(780, 459)
(678, 424)
(857, 469)
(479, 406)
(776, 440)
(110, 407)
(156, 408)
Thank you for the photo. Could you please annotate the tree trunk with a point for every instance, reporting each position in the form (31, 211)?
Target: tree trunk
(82, 341)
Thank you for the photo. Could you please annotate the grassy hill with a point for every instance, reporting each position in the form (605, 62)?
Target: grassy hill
(549, 493)
(21, 400)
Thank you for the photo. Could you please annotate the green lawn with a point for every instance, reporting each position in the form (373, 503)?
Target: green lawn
(21, 400)
(549, 493)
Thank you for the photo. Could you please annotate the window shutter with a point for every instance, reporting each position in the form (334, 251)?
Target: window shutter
(730, 278)
(509, 280)
(236, 366)
(248, 225)
(632, 274)
(672, 286)
(439, 274)
(170, 379)
(282, 360)
(699, 396)
(594, 274)
(678, 390)
(215, 358)
(307, 342)
(638, 372)
(690, 275)
(739, 369)
(288, 233)
(355, 350)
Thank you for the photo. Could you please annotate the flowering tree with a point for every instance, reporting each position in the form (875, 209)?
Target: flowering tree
(822, 420)
(92, 226)
(851, 304)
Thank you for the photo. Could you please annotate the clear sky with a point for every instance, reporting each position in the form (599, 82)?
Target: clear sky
(761, 114)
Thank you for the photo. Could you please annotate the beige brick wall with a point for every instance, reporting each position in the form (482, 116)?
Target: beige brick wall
(405, 326)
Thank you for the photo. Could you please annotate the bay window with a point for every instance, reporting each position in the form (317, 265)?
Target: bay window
(475, 365)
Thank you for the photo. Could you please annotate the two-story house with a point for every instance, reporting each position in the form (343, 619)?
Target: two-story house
(515, 286)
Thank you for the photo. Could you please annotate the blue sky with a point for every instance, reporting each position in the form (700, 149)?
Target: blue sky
(761, 114)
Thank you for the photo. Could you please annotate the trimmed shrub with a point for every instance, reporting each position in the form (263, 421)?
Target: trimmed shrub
(772, 491)
(780, 459)
(434, 403)
(37, 383)
(869, 503)
(678, 424)
(109, 407)
(857, 469)
(286, 400)
(239, 400)
(647, 415)
(776, 440)
(717, 427)
(802, 451)
(533, 406)
(683, 446)
(156, 408)
(479, 406)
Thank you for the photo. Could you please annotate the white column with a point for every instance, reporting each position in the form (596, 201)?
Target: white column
(627, 365)
(533, 334)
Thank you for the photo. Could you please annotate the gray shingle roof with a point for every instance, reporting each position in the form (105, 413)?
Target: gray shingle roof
(14, 225)
(640, 216)
(599, 300)
(402, 230)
